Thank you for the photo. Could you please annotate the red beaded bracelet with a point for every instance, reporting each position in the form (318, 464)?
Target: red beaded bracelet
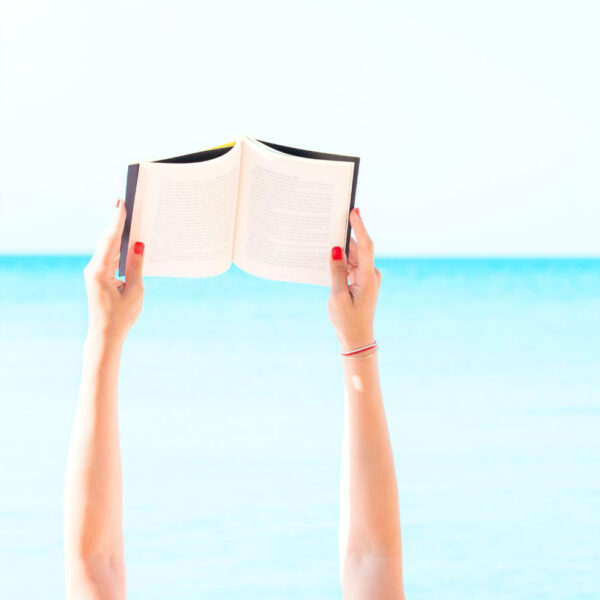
(357, 350)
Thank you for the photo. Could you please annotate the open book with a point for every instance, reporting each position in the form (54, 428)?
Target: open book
(274, 211)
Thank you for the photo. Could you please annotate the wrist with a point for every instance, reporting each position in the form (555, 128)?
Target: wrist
(349, 343)
(102, 339)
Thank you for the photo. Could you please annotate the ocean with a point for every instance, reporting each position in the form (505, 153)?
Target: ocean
(231, 421)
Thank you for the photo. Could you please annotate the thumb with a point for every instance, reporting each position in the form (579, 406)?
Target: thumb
(338, 266)
(135, 262)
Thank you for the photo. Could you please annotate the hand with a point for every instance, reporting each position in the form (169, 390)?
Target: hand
(352, 307)
(114, 305)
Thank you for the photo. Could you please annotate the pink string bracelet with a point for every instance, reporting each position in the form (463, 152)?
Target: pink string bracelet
(357, 350)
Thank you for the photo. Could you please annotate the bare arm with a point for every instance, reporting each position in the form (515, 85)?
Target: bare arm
(370, 541)
(93, 529)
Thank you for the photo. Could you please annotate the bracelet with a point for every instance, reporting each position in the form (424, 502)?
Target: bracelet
(357, 350)
(363, 355)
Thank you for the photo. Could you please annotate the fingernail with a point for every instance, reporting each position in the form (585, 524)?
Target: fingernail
(357, 212)
(118, 203)
(336, 253)
(138, 248)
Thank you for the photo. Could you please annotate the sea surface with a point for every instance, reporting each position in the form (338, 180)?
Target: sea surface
(231, 421)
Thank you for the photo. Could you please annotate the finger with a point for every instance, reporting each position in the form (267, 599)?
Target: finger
(364, 242)
(339, 270)
(134, 265)
(352, 262)
(110, 243)
(378, 276)
(353, 253)
(115, 264)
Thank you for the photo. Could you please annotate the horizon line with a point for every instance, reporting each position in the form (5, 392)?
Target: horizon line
(381, 256)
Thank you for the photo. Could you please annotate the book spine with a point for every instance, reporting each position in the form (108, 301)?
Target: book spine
(132, 177)
(352, 199)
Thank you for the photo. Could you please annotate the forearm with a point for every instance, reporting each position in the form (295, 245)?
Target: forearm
(369, 496)
(93, 492)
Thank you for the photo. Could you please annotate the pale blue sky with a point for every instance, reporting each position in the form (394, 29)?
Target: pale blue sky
(477, 122)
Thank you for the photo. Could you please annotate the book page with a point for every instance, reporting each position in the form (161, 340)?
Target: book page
(185, 215)
(291, 212)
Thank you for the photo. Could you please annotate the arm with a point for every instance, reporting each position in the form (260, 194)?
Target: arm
(370, 542)
(93, 529)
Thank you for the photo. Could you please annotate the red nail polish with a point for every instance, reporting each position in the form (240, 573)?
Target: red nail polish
(118, 202)
(357, 212)
(336, 253)
(138, 248)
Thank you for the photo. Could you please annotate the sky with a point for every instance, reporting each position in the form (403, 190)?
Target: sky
(477, 123)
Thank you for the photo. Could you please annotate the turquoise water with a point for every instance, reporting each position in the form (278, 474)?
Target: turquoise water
(231, 415)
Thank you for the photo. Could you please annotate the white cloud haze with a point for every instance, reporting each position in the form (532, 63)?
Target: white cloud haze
(477, 123)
